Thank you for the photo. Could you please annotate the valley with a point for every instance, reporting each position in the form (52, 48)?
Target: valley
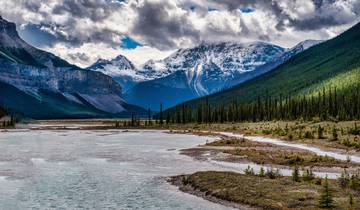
(180, 105)
(194, 72)
(259, 149)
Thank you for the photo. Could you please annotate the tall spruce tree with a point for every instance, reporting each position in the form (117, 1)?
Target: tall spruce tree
(325, 199)
(161, 114)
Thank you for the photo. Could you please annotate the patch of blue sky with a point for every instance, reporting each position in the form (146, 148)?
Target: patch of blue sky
(129, 43)
(35, 36)
(247, 9)
(117, 1)
(210, 9)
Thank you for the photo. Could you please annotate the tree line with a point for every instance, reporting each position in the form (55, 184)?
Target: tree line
(5, 123)
(325, 104)
(3, 112)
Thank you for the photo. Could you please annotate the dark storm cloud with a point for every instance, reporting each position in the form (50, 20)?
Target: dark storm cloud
(63, 25)
(328, 13)
(75, 10)
(161, 28)
(236, 4)
(32, 6)
(96, 10)
(79, 57)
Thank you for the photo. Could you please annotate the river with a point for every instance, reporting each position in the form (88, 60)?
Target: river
(97, 170)
(108, 169)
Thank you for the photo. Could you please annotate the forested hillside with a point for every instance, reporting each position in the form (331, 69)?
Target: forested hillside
(323, 81)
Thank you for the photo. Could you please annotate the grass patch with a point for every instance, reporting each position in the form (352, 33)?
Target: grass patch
(263, 153)
(288, 158)
(265, 193)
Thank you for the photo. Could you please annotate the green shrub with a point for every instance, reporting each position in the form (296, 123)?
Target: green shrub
(308, 175)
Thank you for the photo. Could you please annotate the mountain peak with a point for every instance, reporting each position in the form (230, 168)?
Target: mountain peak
(120, 57)
(8, 28)
(306, 44)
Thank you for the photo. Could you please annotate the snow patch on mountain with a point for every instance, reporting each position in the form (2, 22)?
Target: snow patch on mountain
(307, 44)
(227, 59)
(208, 68)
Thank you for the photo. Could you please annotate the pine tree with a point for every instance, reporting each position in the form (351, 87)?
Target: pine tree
(329, 102)
(161, 114)
(167, 121)
(334, 134)
(149, 116)
(325, 200)
(296, 174)
(320, 132)
(308, 175)
(344, 179)
(351, 201)
(262, 172)
(132, 119)
(249, 171)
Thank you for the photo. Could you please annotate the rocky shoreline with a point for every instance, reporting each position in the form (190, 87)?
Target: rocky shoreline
(178, 181)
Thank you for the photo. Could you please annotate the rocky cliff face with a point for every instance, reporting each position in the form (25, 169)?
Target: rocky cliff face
(34, 71)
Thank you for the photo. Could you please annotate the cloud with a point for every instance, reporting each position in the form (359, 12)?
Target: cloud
(88, 53)
(302, 14)
(80, 57)
(163, 24)
(83, 30)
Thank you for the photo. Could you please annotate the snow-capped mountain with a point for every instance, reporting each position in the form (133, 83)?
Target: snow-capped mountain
(304, 45)
(206, 69)
(300, 47)
(194, 72)
(212, 67)
(121, 70)
(42, 85)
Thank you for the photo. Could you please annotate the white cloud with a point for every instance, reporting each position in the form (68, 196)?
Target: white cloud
(298, 9)
(140, 55)
(87, 30)
(94, 52)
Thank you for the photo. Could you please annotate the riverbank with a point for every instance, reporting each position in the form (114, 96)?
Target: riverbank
(284, 154)
(334, 136)
(235, 150)
(242, 151)
(280, 193)
(343, 137)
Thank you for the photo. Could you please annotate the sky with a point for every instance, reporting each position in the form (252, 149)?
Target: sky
(82, 31)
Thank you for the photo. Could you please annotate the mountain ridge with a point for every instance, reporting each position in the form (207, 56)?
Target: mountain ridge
(47, 79)
(208, 69)
(323, 65)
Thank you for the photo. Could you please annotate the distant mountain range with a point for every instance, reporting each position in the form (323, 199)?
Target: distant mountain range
(195, 72)
(331, 64)
(40, 85)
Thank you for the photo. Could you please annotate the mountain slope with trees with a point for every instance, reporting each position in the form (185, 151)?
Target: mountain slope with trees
(322, 81)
